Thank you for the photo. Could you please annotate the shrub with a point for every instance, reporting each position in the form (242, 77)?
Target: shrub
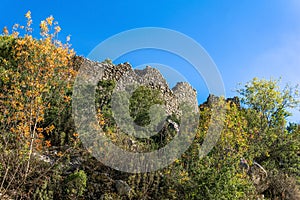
(35, 81)
(75, 184)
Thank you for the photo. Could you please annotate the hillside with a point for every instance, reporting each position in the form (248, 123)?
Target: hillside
(47, 154)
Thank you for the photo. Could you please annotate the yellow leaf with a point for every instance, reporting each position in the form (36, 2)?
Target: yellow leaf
(28, 15)
(57, 29)
(5, 31)
(48, 143)
(50, 20)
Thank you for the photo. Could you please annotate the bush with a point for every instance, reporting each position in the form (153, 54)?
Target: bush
(35, 81)
(75, 184)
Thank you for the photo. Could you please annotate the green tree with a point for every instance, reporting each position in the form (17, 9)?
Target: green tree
(269, 102)
(267, 108)
(271, 142)
(141, 101)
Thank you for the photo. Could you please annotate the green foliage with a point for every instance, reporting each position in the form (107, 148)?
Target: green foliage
(108, 61)
(218, 176)
(6, 54)
(104, 92)
(36, 79)
(272, 143)
(75, 184)
(141, 101)
(270, 103)
(211, 180)
(35, 85)
(42, 193)
(266, 116)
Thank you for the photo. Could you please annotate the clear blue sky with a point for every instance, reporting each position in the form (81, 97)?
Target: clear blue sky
(245, 38)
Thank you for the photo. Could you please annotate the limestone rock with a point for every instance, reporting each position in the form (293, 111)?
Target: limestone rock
(125, 75)
(122, 187)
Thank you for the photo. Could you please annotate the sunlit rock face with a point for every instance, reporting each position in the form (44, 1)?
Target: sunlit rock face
(126, 76)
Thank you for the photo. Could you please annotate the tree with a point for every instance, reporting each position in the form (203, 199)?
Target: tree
(272, 143)
(35, 82)
(269, 102)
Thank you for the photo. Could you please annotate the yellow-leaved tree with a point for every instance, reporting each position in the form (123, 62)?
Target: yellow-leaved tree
(35, 79)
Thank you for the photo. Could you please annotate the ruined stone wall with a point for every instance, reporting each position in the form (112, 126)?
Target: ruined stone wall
(125, 75)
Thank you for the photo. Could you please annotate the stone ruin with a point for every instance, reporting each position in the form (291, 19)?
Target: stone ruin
(125, 75)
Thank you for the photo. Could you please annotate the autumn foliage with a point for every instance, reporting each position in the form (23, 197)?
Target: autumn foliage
(35, 80)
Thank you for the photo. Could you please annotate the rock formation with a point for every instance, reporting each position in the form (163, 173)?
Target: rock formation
(125, 75)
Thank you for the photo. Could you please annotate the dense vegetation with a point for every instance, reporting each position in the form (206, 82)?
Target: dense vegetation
(257, 155)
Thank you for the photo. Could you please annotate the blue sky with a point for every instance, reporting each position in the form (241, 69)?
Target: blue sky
(246, 39)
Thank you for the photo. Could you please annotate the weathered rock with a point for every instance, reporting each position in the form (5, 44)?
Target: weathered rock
(122, 187)
(124, 75)
(259, 177)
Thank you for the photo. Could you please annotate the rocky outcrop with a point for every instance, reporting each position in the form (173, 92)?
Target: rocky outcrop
(125, 76)
(122, 187)
(211, 99)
